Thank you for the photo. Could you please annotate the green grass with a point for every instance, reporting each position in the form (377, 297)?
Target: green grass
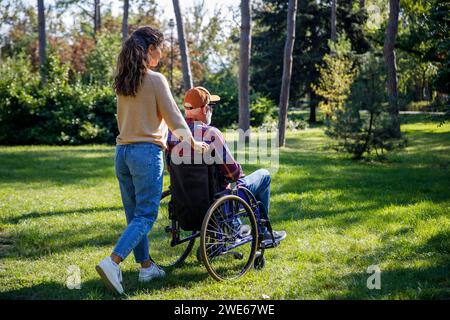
(60, 206)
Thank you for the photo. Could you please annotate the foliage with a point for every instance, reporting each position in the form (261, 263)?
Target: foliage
(353, 101)
(312, 34)
(20, 20)
(226, 112)
(101, 61)
(261, 109)
(336, 76)
(426, 36)
(61, 112)
(18, 89)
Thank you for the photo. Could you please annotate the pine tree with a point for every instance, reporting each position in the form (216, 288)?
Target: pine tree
(347, 91)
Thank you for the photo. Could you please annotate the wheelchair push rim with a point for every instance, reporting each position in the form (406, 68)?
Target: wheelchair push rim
(226, 253)
(161, 251)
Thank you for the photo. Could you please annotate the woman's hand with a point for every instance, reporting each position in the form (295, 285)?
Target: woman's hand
(200, 146)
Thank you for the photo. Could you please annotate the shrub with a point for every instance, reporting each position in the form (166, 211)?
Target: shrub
(261, 109)
(19, 101)
(59, 112)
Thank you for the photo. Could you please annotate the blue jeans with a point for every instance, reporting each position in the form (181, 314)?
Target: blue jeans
(258, 183)
(139, 169)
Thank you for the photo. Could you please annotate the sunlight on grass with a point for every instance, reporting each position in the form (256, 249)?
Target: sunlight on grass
(61, 206)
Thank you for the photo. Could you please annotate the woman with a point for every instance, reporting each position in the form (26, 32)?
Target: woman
(144, 107)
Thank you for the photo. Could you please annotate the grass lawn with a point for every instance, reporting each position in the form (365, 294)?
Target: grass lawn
(60, 206)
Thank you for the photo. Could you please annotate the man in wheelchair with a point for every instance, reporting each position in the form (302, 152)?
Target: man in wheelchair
(199, 103)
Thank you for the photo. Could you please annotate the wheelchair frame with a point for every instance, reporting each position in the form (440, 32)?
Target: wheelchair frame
(261, 220)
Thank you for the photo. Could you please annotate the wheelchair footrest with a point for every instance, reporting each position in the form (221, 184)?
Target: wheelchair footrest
(268, 244)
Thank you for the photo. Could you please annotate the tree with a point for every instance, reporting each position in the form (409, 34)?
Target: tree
(97, 17)
(90, 9)
(346, 92)
(426, 37)
(389, 56)
(211, 44)
(19, 24)
(312, 34)
(287, 71)
(126, 5)
(187, 76)
(333, 36)
(42, 39)
(244, 62)
(336, 77)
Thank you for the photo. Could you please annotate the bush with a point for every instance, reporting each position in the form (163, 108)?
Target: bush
(19, 100)
(59, 112)
(418, 106)
(261, 109)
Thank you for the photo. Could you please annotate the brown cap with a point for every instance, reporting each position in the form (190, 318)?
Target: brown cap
(198, 97)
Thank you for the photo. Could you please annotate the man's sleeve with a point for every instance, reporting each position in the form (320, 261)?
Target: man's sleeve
(228, 166)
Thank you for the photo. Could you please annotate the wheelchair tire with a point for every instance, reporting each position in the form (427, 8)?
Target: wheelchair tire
(222, 254)
(160, 237)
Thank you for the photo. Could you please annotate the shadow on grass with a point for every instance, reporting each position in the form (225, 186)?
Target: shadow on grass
(46, 214)
(56, 166)
(95, 289)
(37, 245)
(360, 186)
(428, 280)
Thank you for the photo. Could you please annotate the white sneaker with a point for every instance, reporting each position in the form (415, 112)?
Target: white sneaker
(152, 272)
(111, 275)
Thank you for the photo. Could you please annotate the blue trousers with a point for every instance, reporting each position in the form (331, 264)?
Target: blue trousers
(139, 170)
(258, 183)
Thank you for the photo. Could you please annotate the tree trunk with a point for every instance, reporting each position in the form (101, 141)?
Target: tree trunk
(97, 17)
(362, 4)
(287, 71)
(187, 76)
(389, 56)
(126, 5)
(42, 40)
(312, 107)
(244, 62)
(333, 21)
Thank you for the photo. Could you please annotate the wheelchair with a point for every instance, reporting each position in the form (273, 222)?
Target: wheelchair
(204, 210)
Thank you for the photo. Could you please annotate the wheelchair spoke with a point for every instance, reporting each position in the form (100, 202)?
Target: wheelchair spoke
(215, 253)
(220, 242)
(216, 228)
(228, 225)
(211, 231)
(228, 255)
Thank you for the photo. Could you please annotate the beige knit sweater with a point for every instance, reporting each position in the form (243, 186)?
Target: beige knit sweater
(145, 117)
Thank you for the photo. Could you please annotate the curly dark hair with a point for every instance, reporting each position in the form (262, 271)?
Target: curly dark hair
(133, 60)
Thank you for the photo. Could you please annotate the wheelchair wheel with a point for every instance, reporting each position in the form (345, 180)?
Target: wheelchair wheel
(226, 253)
(160, 238)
